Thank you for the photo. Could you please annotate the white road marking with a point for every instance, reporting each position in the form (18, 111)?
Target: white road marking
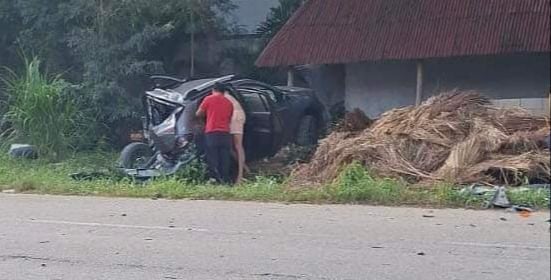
(497, 245)
(113, 225)
(87, 224)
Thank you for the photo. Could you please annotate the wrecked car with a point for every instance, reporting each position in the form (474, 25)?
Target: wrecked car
(276, 116)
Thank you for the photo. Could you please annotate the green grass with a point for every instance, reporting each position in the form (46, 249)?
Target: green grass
(43, 112)
(536, 198)
(355, 185)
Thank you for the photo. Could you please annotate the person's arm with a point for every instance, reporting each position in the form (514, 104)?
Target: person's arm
(200, 113)
(202, 109)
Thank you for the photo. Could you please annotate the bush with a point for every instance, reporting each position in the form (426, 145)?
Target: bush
(42, 111)
(357, 185)
(194, 173)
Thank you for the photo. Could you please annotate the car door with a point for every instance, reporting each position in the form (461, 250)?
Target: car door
(277, 106)
(259, 139)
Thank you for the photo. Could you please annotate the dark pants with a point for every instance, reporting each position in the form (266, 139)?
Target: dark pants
(218, 148)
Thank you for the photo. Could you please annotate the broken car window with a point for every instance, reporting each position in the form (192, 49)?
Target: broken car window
(254, 102)
(268, 92)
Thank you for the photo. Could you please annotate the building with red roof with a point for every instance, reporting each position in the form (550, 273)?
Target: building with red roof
(381, 54)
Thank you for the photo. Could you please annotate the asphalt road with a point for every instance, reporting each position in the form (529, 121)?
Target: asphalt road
(45, 237)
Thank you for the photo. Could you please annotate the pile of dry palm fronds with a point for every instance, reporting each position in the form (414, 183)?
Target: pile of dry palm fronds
(354, 121)
(456, 136)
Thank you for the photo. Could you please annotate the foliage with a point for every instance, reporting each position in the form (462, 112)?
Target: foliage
(355, 185)
(278, 17)
(43, 111)
(245, 61)
(245, 58)
(8, 32)
(194, 173)
(109, 47)
(537, 197)
(106, 46)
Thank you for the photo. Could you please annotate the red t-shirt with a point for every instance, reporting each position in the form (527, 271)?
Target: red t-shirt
(218, 110)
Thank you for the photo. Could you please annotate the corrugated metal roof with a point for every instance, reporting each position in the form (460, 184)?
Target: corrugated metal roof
(344, 31)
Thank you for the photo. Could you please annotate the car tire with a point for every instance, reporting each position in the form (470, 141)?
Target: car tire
(135, 155)
(307, 134)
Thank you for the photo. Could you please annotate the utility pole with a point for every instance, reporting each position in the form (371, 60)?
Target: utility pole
(419, 90)
(290, 77)
(100, 20)
(192, 40)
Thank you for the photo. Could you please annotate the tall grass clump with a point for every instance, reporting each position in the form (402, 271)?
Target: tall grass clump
(42, 111)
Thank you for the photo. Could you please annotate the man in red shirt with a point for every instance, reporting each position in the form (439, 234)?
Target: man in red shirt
(218, 111)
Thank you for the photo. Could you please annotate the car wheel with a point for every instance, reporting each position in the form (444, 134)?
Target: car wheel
(307, 133)
(135, 155)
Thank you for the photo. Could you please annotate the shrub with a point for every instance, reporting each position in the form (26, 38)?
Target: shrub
(356, 184)
(193, 173)
(42, 111)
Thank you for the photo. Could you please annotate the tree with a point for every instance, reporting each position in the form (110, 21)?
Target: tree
(8, 32)
(108, 47)
(117, 46)
(275, 20)
(278, 17)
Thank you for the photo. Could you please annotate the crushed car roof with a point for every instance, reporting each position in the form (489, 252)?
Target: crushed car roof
(181, 93)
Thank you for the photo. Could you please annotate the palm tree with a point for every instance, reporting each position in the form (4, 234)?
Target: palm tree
(278, 17)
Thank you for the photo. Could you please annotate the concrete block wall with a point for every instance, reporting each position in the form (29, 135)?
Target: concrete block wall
(515, 80)
(378, 87)
(538, 106)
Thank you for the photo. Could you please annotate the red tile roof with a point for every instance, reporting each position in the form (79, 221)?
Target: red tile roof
(345, 31)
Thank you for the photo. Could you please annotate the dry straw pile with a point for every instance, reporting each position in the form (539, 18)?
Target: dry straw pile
(456, 137)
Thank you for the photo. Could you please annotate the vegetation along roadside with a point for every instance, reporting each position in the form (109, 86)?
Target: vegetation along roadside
(354, 185)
